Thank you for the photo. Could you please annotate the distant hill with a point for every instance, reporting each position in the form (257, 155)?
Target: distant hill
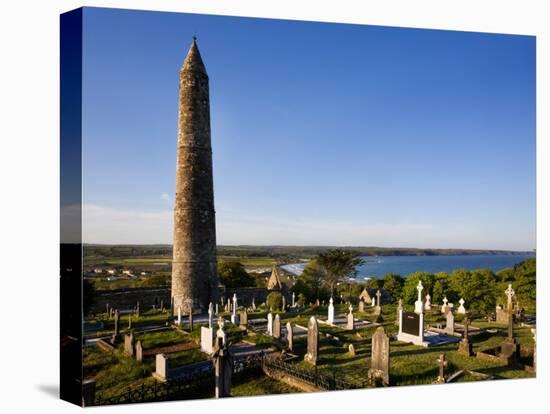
(288, 252)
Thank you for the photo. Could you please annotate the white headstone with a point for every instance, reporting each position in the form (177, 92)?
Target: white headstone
(220, 333)
(444, 307)
(270, 324)
(207, 340)
(418, 305)
(461, 308)
(330, 318)
(293, 300)
(179, 316)
(428, 304)
(210, 314)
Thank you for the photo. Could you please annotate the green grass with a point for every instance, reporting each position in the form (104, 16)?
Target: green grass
(250, 385)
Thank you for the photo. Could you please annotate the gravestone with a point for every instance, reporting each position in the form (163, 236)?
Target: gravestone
(450, 323)
(211, 314)
(465, 346)
(253, 304)
(223, 369)
(445, 306)
(361, 306)
(380, 359)
(162, 367)
(312, 355)
(139, 351)
(207, 340)
(293, 300)
(351, 350)
(277, 327)
(317, 303)
(129, 344)
(411, 328)
(220, 333)
(442, 365)
(350, 319)
(270, 324)
(283, 303)
(107, 309)
(234, 316)
(330, 318)
(461, 309)
(428, 304)
(398, 311)
(111, 313)
(243, 319)
(418, 305)
(378, 309)
(179, 316)
(509, 349)
(289, 337)
(114, 338)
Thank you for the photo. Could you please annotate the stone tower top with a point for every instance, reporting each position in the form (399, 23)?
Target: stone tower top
(193, 61)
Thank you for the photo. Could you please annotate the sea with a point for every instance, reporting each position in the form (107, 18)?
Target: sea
(378, 266)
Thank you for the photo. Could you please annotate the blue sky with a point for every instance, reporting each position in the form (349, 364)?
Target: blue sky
(322, 134)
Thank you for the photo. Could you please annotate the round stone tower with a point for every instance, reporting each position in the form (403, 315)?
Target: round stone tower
(194, 273)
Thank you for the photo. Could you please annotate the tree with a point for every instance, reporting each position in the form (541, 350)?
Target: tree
(233, 275)
(410, 293)
(441, 288)
(394, 286)
(274, 301)
(338, 264)
(374, 283)
(310, 282)
(476, 287)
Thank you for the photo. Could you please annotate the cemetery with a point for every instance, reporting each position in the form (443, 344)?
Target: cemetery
(138, 354)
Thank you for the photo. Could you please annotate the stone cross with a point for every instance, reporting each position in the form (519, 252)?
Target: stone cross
(293, 300)
(378, 294)
(465, 346)
(380, 360)
(428, 304)
(223, 369)
(277, 327)
(510, 294)
(350, 319)
(330, 318)
(220, 333)
(270, 324)
(289, 337)
(418, 306)
(398, 311)
(312, 355)
(442, 365)
(234, 304)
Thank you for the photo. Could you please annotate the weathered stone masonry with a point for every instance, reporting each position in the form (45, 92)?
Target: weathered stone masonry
(194, 273)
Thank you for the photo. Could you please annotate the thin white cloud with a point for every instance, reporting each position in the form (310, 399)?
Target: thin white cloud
(125, 226)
